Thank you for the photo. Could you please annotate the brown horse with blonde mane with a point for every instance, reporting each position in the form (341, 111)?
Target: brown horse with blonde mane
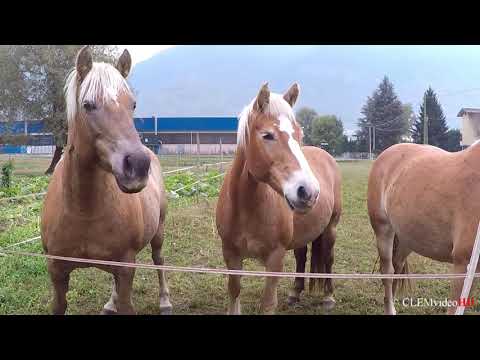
(425, 200)
(106, 198)
(277, 196)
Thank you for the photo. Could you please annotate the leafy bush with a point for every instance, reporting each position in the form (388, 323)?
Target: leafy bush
(191, 184)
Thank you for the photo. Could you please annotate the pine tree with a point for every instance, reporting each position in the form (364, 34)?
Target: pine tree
(437, 123)
(385, 112)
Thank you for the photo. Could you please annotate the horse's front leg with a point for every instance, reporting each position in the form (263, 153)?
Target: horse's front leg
(273, 263)
(60, 277)
(124, 283)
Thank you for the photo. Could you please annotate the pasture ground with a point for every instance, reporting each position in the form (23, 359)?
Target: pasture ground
(191, 239)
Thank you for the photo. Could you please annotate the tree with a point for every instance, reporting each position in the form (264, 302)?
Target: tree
(35, 81)
(384, 111)
(437, 123)
(454, 137)
(327, 132)
(408, 119)
(305, 117)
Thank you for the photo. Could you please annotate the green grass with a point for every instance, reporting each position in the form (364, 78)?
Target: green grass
(191, 239)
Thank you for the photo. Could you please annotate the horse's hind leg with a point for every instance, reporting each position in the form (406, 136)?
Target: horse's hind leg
(327, 242)
(299, 283)
(165, 305)
(60, 276)
(385, 236)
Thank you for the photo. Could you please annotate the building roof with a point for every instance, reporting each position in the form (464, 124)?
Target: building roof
(164, 124)
(464, 111)
(187, 124)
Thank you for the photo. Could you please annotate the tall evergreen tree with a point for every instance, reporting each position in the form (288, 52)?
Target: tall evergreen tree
(385, 112)
(437, 123)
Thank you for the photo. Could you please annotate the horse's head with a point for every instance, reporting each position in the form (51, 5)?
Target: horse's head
(100, 108)
(271, 138)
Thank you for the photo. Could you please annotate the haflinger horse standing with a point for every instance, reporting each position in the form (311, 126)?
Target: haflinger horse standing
(106, 199)
(277, 196)
(425, 200)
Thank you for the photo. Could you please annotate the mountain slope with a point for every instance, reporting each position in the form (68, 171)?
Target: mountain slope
(219, 80)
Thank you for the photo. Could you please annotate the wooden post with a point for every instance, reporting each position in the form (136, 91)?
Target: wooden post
(471, 268)
(198, 148)
(221, 156)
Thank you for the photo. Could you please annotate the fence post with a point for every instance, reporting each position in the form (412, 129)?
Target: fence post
(221, 156)
(471, 268)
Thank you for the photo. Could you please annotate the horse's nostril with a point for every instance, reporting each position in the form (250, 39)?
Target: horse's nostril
(136, 165)
(302, 193)
(127, 165)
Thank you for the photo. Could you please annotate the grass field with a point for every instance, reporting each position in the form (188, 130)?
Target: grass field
(191, 239)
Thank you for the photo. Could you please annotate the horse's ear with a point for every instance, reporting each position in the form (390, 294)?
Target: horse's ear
(124, 63)
(263, 98)
(291, 95)
(84, 62)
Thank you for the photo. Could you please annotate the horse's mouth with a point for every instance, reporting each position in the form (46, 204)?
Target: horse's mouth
(302, 208)
(290, 204)
(129, 190)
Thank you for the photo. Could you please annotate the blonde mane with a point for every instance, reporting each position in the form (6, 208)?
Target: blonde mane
(277, 106)
(103, 83)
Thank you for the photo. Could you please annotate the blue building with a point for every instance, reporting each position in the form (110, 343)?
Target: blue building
(167, 135)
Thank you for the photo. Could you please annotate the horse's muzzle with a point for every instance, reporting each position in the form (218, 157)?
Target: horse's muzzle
(135, 171)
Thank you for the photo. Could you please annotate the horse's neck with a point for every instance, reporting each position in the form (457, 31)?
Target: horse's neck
(85, 184)
(243, 186)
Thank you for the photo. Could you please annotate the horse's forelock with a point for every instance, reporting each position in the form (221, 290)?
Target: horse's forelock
(103, 83)
(276, 107)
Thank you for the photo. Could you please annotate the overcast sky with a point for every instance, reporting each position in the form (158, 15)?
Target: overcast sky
(143, 52)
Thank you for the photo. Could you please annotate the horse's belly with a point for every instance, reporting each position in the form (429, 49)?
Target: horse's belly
(431, 238)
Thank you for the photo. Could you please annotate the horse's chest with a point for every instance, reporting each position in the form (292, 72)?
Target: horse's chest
(261, 234)
(103, 238)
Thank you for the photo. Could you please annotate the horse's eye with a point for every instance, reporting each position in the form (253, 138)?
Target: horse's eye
(134, 105)
(89, 106)
(268, 136)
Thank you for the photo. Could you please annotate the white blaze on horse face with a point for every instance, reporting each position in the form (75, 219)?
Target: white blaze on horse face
(305, 174)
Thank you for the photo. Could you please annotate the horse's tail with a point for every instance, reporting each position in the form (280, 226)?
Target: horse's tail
(315, 266)
(402, 284)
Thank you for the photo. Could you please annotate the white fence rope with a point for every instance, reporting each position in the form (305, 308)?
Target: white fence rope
(197, 182)
(190, 269)
(164, 173)
(22, 196)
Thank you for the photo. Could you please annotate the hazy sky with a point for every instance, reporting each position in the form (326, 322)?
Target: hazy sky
(143, 52)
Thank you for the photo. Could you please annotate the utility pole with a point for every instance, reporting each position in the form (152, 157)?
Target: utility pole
(370, 141)
(373, 138)
(425, 120)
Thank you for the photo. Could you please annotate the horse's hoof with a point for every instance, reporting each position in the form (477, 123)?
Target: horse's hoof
(108, 312)
(167, 310)
(328, 303)
(292, 300)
